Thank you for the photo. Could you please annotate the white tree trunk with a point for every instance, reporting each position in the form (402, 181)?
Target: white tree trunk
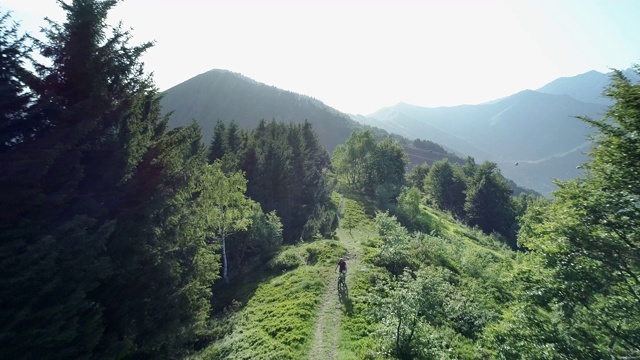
(224, 259)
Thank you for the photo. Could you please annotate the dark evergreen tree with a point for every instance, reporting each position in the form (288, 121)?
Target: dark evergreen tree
(299, 208)
(233, 142)
(316, 188)
(285, 168)
(417, 175)
(217, 147)
(445, 187)
(488, 203)
(97, 258)
(67, 182)
(15, 82)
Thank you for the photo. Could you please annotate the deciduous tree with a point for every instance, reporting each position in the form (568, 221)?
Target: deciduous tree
(589, 235)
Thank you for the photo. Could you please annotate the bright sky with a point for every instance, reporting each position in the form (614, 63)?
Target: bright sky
(360, 56)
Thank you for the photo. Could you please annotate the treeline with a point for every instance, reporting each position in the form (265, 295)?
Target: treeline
(286, 170)
(113, 228)
(476, 194)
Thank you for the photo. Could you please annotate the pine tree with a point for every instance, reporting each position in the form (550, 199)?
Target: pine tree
(233, 142)
(488, 203)
(417, 175)
(66, 185)
(97, 255)
(286, 171)
(445, 187)
(15, 94)
(217, 148)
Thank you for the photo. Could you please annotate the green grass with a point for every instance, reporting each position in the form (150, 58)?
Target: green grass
(276, 315)
(356, 333)
(278, 319)
(356, 328)
(473, 257)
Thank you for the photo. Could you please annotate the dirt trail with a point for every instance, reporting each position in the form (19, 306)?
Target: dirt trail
(327, 332)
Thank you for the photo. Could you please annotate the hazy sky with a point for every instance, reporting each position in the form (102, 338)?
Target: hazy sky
(359, 56)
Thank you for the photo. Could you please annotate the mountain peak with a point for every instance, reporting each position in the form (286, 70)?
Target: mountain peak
(586, 87)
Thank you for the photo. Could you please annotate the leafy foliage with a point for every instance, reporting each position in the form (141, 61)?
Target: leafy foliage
(113, 230)
(376, 169)
(224, 207)
(354, 216)
(588, 236)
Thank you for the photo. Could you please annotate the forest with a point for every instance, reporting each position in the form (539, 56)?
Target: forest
(123, 238)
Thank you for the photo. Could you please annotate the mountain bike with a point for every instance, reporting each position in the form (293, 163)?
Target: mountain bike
(342, 280)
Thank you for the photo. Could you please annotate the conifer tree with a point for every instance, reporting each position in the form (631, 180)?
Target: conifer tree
(217, 147)
(488, 203)
(15, 94)
(97, 255)
(233, 141)
(417, 175)
(445, 187)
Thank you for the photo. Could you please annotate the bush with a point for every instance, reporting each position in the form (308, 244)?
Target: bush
(288, 259)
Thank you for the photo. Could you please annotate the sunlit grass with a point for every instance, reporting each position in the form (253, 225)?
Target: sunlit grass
(279, 318)
(277, 322)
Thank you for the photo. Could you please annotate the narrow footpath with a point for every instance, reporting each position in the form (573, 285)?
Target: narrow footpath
(327, 332)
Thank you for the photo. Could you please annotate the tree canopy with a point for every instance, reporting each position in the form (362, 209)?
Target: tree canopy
(588, 240)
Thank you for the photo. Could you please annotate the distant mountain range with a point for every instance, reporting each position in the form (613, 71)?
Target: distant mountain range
(535, 129)
(534, 136)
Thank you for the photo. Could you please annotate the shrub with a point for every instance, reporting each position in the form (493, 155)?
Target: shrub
(286, 260)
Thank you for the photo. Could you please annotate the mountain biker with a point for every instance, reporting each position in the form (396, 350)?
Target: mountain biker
(342, 265)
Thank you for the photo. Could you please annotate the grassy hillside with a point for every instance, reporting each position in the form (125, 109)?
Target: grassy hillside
(293, 310)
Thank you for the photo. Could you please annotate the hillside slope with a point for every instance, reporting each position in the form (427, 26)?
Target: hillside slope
(224, 95)
(298, 311)
(526, 126)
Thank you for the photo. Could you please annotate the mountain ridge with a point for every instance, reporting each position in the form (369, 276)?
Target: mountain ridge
(536, 128)
(246, 101)
(533, 127)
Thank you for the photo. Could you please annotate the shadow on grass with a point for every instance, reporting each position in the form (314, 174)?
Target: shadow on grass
(343, 296)
(240, 289)
(367, 202)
